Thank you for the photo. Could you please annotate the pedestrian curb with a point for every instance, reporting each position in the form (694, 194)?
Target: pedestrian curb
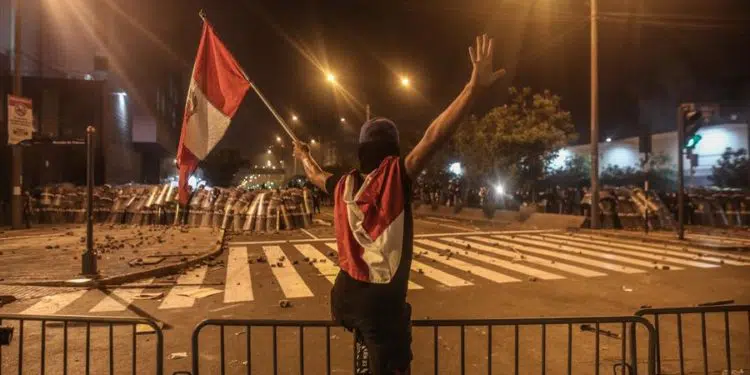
(215, 251)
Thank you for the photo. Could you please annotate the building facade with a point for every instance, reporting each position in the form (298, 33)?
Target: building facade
(83, 64)
(624, 153)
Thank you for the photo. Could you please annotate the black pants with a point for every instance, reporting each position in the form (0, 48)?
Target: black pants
(386, 334)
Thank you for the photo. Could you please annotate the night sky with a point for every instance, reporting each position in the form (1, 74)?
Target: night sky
(653, 54)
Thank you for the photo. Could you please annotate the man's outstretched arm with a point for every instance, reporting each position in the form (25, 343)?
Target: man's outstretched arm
(482, 76)
(315, 174)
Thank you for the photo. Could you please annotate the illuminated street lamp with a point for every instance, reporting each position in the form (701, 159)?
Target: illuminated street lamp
(295, 118)
(405, 82)
(343, 120)
(312, 141)
(278, 139)
(330, 77)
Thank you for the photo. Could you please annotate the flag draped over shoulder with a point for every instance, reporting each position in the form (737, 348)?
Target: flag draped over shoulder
(217, 87)
(369, 222)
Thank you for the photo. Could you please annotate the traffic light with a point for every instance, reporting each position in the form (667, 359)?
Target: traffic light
(692, 122)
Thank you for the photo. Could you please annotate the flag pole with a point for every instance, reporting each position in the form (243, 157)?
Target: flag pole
(202, 15)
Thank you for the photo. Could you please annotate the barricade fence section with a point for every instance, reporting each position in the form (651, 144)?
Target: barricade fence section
(579, 345)
(79, 345)
(701, 340)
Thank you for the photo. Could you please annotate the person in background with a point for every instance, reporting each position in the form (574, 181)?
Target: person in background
(373, 222)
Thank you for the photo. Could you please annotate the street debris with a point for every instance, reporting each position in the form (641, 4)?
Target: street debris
(420, 270)
(284, 303)
(200, 293)
(603, 332)
(261, 259)
(626, 289)
(150, 295)
(280, 264)
(281, 258)
(178, 355)
(533, 278)
(665, 268)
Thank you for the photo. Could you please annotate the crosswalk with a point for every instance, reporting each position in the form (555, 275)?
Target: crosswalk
(448, 261)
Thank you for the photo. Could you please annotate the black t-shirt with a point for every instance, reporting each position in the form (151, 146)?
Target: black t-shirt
(353, 297)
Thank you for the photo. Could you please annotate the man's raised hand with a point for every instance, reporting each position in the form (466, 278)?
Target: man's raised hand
(483, 74)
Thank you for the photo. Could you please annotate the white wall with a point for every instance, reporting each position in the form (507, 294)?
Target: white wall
(624, 152)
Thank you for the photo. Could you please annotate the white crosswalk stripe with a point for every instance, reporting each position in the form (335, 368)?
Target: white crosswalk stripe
(676, 250)
(475, 259)
(529, 258)
(50, 305)
(289, 280)
(650, 253)
(520, 268)
(466, 267)
(565, 256)
(121, 298)
(412, 285)
(328, 269)
(178, 296)
(239, 286)
(594, 251)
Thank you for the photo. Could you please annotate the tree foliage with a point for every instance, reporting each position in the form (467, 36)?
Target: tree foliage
(575, 173)
(516, 141)
(732, 169)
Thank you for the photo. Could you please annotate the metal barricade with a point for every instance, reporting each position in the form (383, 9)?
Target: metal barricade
(591, 330)
(26, 336)
(686, 362)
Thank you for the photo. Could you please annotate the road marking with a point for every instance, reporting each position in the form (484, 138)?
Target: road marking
(327, 269)
(412, 285)
(679, 250)
(49, 305)
(330, 239)
(123, 297)
(290, 281)
(309, 234)
(438, 275)
(598, 251)
(531, 259)
(520, 268)
(238, 286)
(174, 300)
(449, 225)
(566, 256)
(677, 257)
(466, 267)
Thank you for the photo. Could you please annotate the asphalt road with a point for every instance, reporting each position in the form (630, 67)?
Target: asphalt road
(488, 274)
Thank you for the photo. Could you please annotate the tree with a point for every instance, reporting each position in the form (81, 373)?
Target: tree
(516, 141)
(575, 173)
(732, 169)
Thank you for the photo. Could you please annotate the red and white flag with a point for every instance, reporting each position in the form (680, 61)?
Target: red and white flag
(369, 222)
(217, 87)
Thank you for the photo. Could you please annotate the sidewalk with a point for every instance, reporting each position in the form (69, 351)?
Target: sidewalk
(51, 255)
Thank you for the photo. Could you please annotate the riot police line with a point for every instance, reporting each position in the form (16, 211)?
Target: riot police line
(628, 207)
(230, 208)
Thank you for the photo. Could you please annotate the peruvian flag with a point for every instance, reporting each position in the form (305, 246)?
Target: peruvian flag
(217, 87)
(369, 222)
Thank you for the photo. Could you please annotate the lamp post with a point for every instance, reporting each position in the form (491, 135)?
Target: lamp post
(88, 259)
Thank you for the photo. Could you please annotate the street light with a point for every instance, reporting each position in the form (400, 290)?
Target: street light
(268, 152)
(609, 139)
(343, 120)
(405, 81)
(295, 118)
(330, 77)
(312, 141)
(278, 139)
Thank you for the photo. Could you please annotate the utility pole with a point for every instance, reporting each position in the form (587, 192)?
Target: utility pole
(16, 174)
(594, 118)
(88, 259)
(680, 172)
